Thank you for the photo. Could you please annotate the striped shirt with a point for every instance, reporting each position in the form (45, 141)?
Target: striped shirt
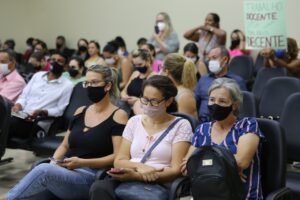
(241, 127)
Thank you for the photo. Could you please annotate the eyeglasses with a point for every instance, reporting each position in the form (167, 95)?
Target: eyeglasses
(73, 67)
(153, 102)
(94, 83)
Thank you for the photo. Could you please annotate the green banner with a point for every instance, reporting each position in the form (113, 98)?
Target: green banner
(265, 24)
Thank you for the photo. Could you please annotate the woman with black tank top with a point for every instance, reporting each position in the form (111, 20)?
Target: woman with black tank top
(142, 64)
(91, 142)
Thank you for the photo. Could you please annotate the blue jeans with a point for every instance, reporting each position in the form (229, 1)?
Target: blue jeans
(46, 180)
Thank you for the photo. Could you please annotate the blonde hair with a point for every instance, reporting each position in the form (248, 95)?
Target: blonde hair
(109, 75)
(181, 69)
(167, 19)
(143, 54)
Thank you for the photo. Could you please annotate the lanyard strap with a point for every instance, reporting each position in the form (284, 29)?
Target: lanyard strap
(148, 153)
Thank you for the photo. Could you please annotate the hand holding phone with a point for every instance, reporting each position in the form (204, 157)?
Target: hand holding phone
(156, 29)
(116, 171)
(56, 161)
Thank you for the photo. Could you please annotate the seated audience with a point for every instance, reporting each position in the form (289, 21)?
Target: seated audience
(37, 61)
(46, 94)
(59, 58)
(29, 49)
(11, 82)
(241, 136)
(287, 59)
(122, 51)
(208, 36)
(165, 39)
(238, 44)
(182, 72)
(41, 46)
(61, 47)
(155, 63)
(82, 49)
(142, 64)
(93, 138)
(218, 67)
(35, 64)
(94, 55)
(190, 51)
(9, 44)
(163, 165)
(122, 64)
(76, 70)
(141, 41)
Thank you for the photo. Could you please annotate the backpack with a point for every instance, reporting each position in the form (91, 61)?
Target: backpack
(214, 174)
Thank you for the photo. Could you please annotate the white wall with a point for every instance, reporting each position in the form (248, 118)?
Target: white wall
(104, 19)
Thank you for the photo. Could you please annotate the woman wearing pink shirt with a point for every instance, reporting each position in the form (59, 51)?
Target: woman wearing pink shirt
(238, 44)
(141, 131)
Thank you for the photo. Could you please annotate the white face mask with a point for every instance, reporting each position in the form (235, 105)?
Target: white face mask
(120, 52)
(214, 66)
(161, 26)
(193, 59)
(110, 61)
(4, 69)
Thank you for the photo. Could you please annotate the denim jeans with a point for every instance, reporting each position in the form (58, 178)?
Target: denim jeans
(46, 180)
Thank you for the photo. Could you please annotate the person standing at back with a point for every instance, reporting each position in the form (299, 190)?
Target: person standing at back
(208, 36)
(164, 39)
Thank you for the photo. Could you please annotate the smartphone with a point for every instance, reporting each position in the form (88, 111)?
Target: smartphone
(57, 161)
(156, 29)
(116, 171)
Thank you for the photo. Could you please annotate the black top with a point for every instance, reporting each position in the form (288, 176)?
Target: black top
(135, 87)
(92, 142)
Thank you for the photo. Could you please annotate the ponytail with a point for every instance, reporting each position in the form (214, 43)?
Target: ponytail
(188, 77)
(114, 92)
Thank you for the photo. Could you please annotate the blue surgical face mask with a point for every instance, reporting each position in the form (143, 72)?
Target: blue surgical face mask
(110, 61)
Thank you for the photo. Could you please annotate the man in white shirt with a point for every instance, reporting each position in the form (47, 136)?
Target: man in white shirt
(46, 94)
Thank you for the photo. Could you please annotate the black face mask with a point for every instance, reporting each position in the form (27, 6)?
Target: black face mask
(58, 45)
(218, 112)
(82, 49)
(235, 43)
(73, 72)
(56, 69)
(142, 70)
(96, 94)
(37, 68)
(32, 67)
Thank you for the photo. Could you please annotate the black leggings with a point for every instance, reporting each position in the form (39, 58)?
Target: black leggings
(104, 189)
(21, 128)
